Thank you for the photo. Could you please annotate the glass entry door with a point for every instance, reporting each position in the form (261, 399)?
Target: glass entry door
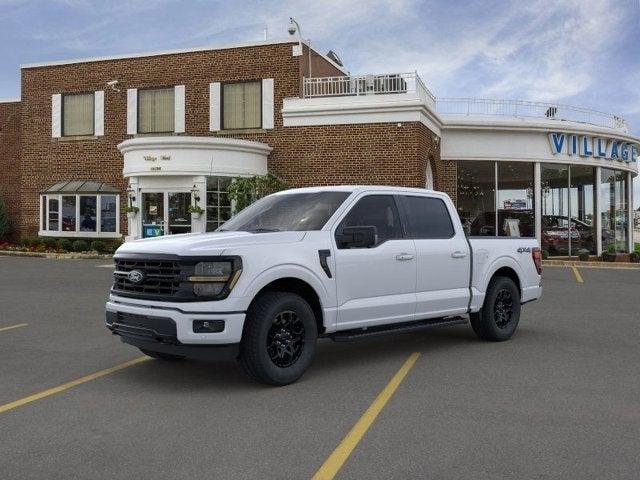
(165, 213)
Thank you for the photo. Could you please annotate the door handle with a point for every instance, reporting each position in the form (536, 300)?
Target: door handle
(404, 256)
(458, 254)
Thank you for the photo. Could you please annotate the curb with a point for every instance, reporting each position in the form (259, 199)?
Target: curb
(57, 256)
(601, 265)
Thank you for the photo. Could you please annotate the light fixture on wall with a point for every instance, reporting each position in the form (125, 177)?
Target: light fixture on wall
(195, 192)
(132, 194)
(113, 84)
(292, 29)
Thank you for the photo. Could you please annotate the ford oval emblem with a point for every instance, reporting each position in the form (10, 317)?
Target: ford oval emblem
(136, 277)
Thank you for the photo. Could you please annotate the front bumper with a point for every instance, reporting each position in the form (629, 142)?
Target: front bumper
(171, 326)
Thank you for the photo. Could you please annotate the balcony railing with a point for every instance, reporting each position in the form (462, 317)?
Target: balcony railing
(399, 83)
(356, 85)
(526, 109)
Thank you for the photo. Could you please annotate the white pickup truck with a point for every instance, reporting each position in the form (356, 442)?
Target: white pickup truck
(337, 262)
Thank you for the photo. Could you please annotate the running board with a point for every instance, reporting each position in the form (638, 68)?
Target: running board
(361, 333)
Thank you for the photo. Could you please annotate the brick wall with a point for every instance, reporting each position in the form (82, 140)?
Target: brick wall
(339, 154)
(9, 158)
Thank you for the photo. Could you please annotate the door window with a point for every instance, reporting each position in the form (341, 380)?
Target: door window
(378, 211)
(179, 216)
(428, 217)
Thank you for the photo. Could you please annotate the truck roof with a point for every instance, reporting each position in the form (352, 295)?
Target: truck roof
(357, 189)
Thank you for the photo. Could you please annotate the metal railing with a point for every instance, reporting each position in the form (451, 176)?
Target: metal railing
(526, 109)
(356, 85)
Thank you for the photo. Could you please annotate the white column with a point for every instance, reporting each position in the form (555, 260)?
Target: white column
(598, 212)
(134, 224)
(200, 225)
(630, 212)
(537, 199)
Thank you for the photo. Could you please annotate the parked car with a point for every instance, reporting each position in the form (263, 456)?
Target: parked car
(337, 262)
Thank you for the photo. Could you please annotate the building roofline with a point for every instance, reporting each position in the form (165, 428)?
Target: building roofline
(10, 100)
(176, 52)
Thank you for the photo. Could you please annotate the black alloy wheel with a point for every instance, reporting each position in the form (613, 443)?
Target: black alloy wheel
(503, 308)
(285, 340)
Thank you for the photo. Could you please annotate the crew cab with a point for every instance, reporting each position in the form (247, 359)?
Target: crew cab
(344, 263)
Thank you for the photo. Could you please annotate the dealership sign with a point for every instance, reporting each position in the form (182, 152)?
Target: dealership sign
(596, 147)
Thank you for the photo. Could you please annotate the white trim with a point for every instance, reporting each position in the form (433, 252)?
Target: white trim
(268, 107)
(179, 111)
(132, 111)
(537, 200)
(183, 142)
(98, 112)
(214, 107)
(81, 235)
(44, 221)
(56, 115)
(175, 52)
(630, 221)
(429, 183)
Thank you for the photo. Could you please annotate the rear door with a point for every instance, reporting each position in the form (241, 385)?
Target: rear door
(375, 285)
(442, 257)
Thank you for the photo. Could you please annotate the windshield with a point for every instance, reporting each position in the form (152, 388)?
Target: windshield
(288, 212)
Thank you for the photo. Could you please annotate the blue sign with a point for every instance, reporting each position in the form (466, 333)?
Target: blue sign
(596, 147)
(149, 231)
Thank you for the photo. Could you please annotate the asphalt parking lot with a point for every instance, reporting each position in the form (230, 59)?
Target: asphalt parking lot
(560, 400)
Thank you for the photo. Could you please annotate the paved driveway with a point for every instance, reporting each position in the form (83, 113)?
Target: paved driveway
(560, 400)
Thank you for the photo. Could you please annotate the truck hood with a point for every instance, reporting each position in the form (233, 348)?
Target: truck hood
(213, 243)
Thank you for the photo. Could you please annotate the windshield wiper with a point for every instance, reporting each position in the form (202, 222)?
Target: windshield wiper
(263, 230)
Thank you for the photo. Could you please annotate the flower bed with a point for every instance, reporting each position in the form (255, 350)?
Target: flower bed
(48, 245)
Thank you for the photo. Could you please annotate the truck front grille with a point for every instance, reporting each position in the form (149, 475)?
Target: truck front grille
(161, 278)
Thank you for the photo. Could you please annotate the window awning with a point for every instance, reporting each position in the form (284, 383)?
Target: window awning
(80, 187)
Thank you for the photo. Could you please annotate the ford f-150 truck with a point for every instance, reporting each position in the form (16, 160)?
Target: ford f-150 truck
(342, 262)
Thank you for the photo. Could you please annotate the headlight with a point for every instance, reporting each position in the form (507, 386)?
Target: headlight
(213, 279)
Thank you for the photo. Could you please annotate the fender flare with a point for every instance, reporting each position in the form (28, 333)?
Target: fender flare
(288, 271)
(497, 264)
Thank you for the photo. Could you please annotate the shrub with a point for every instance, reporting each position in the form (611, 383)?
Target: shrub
(48, 242)
(5, 225)
(98, 246)
(65, 244)
(634, 257)
(80, 246)
(28, 241)
(114, 245)
(545, 254)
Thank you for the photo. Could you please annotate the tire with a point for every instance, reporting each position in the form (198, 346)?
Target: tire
(161, 356)
(279, 338)
(498, 319)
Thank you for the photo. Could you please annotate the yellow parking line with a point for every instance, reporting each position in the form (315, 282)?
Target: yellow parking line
(334, 463)
(19, 325)
(577, 275)
(66, 386)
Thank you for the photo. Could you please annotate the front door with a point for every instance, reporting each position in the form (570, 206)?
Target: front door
(376, 285)
(165, 213)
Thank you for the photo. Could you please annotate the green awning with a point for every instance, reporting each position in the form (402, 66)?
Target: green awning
(80, 187)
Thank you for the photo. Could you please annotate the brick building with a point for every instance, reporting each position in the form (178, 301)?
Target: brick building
(162, 131)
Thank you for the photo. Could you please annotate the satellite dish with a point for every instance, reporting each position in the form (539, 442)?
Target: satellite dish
(334, 56)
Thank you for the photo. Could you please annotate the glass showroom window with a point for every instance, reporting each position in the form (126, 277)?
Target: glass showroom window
(218, 202)
(613, 201)
(78, 114)
(516, 209)
(568, 209)
(477, 197)
(79, 216)
(156, 110)
(242, 105)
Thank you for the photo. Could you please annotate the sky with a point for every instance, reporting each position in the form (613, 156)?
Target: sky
(578, 52)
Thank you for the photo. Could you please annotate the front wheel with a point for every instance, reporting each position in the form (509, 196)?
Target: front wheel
(498, 319)
(279, 338)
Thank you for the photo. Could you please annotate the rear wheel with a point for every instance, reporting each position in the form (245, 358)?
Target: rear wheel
(498, 319)
(161, 356)
(279, 338)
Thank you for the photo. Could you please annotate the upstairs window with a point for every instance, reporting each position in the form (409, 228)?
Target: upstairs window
(78, 114)
(242, 105)
(156, 110)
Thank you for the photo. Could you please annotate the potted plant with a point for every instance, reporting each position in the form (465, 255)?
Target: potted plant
(132, 211)
(583, 255)
(196, 211)
(610, 255)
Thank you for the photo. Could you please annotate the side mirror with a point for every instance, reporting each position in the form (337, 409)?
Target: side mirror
(357, 237)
